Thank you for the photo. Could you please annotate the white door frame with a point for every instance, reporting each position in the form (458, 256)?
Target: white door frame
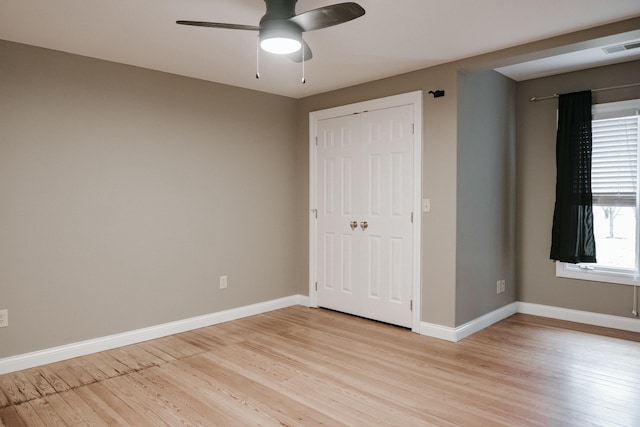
(411, 98)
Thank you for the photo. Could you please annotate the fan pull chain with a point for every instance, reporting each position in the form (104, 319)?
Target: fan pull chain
(303, 79)
(258, 58)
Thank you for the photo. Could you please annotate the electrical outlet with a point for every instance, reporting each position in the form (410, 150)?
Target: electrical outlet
(4, 318)
(223, 282)
(500, 286)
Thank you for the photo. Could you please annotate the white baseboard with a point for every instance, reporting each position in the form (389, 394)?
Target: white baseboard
(82, 348)
(68, 351)
(586, 317)
(463, 331)
(434, 330)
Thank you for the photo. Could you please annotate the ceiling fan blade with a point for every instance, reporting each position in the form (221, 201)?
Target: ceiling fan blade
(219, 25)
(297, 56)
(328, 16)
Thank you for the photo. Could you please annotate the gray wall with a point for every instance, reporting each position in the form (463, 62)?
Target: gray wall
(125, 193)
(486, 239)
(536, 191)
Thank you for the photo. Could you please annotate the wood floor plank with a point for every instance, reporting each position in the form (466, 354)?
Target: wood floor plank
(47, 413)
(131, 389)
(113, 404)
(175, 347)
(187, 403)
(82, 409)
(73, 374)
(87, 365)
(28, 390)
(9, 417)
(4, 400)
(70, 415)
(48, 372)
(362, 378)
(201, 339)
(39, 382)
(195, 386)
(281, 371)
(304, 367)
(244, 398)
(28, 414)
(125, 358)
(109, 414)
(149, 347)
(395, 390)
(11, 389)
(143, 357)
(168, 399)
(110, 365)
(100, 369)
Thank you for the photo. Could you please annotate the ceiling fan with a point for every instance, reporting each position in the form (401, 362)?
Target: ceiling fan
(280, 29)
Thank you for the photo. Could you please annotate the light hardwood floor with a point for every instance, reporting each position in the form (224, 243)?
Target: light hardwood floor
(302, 366)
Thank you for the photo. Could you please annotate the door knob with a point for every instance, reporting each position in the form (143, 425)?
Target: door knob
(353, 225)
(364, 225)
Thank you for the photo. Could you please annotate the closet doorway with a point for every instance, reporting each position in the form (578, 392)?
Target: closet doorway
(365, 165)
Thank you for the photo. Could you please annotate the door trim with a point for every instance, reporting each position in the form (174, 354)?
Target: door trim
(411, 98)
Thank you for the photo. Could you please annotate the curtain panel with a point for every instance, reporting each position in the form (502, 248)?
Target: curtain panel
(572, 238)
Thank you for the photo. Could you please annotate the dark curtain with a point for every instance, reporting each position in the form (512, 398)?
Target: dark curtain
(572, 235)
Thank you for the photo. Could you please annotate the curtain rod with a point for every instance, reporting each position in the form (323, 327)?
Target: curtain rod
(555, 95)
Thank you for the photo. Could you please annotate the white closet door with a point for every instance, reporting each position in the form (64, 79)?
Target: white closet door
(339, 179)
(387, 153)
(365, 178)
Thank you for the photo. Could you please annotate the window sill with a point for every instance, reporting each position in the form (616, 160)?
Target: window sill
(596, 276)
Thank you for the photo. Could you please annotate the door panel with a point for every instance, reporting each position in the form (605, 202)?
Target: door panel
(374, 261)
(337, 176)
(387, 140)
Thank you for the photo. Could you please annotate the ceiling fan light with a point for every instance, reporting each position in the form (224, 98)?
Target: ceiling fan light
(280, 45)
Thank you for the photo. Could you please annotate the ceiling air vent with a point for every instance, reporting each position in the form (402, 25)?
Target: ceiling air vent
(621, 47)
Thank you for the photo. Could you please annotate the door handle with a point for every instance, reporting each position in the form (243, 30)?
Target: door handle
(353, 225)
(364, 225)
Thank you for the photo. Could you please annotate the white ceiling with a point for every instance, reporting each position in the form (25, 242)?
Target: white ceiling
(393, 37)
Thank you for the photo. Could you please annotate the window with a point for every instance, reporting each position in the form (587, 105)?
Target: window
(614, 183)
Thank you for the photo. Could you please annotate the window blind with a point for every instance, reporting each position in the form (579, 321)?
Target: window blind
(614, 161)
